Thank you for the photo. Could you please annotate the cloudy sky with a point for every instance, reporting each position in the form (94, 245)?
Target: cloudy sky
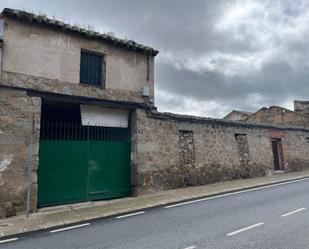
(215, 55)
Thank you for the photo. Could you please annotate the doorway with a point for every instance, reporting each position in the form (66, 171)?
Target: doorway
(80, 162)
(277, 152)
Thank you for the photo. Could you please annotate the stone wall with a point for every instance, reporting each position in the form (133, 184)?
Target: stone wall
(243, 154)
(296, 150)
(301, 107)
(222, 151)
(16, 109)
(186, 145)
(66, 88)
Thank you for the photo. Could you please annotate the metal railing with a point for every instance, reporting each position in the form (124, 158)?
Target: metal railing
(78, 132)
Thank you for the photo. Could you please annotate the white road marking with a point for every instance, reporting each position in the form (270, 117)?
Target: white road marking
(293, 212)
(245, 229)
(69, 228)
(233, 193)
(190, 247)
(8, 240)
(129, 215)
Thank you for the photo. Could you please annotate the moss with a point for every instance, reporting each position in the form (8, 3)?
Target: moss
(44, 20)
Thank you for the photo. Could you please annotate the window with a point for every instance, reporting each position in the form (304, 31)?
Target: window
(92, 69)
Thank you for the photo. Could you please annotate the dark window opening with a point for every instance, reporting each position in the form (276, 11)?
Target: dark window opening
(92, 69)
(56, 112)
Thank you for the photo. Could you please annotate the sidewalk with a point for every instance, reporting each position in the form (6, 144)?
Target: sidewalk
(67, 214)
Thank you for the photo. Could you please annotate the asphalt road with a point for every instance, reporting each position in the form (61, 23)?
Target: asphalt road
(274, 217)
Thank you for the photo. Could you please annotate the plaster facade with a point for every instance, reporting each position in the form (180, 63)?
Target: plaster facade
(55, 59)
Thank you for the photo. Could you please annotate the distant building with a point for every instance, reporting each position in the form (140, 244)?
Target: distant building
(237, 115)
(301, 106)
(279, 115)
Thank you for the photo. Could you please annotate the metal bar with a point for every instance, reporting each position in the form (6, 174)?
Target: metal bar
(60, 131)
(75, 132)
(80, 133)
(51, 129)
(68, 131)
(47, 129)
(30, 164)
(42, 131)
(72, 134)
(57, 135)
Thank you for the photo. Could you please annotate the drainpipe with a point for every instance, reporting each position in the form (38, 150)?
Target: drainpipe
(1, 56)
(33, 123)
(1, 45)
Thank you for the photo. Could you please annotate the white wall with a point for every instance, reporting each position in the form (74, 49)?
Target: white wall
(99, 116)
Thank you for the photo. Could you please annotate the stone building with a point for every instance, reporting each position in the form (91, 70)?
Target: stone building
(301, 106)
(77, 89)
(78, 122)
(237, 115)
(279, 115)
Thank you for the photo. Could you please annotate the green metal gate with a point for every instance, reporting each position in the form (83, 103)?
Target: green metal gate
(80, 163)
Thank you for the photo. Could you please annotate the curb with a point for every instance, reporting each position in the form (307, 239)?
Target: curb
(238, 190)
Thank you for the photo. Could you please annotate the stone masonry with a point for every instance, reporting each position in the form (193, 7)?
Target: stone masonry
(243, 153)
(16, 109)
(66, 88)
(223, 151)
(186, 145)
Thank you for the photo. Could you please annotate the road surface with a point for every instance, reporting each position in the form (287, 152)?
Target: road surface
(272, 217)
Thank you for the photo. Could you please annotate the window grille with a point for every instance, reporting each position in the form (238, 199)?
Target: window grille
(92, 69)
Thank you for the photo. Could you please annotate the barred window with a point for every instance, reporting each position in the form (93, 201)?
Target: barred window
(92, 69)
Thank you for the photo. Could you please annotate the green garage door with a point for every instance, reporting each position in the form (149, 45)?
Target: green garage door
(80, 163)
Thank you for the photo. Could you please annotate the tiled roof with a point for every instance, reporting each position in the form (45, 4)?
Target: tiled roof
(64, 27)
